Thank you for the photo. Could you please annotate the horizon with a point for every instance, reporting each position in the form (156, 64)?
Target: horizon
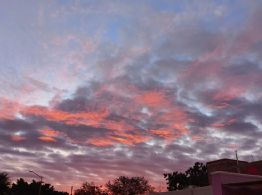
(95, 90)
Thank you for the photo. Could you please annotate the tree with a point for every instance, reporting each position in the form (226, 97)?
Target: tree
(90, 189)
(21, 187)
(176, 181)
(129, 186)
(196, 176)
(4, 183)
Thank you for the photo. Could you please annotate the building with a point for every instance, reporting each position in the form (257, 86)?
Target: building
(253, 188)
(225, 183)
(207, 190)
(234, 166)
(228, 177)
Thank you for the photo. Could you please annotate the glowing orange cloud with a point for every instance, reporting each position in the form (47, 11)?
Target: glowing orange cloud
(102, 142)
(162, 133)
(96, 119)
(50, 132)
(119, 125)
(130, 139)
(181, 127)
(119, 138)
(84, 118)
(47, 139)
(176, 121)
(176, 114)
(152, 99)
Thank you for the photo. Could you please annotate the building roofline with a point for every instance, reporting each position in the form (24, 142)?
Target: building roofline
(236, 174)
(244, 183)
(223, 159)
(258, 161)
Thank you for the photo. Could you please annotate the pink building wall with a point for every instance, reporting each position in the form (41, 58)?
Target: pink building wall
(220, 177)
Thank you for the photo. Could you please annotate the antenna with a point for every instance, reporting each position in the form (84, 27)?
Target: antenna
(72, 190)
(237, 162)
(252, 158)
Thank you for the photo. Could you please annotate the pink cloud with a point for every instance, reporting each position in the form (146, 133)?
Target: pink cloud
(8, 108)
(47, 139)
(17, 138)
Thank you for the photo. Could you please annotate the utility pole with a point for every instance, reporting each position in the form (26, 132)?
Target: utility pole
(41, 180)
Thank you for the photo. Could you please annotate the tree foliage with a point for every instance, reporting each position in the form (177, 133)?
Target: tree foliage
(129, 186)
(21, 187)
(120, 186)
(176, 181)
(196, 176)
(90, 189)
(4, 183)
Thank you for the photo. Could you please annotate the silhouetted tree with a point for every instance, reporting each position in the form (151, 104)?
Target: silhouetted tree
(90, 189)
(4, 183)
(129, 186)
(34, 187)
(196, 176)
(176, 181)
(21, 187)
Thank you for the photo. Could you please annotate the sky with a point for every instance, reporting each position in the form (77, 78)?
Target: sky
(94, 89)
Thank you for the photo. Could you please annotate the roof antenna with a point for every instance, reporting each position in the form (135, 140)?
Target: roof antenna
(72, 190)
(237, 162)
(252, 158)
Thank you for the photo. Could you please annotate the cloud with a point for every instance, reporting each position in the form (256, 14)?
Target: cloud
(141, 89)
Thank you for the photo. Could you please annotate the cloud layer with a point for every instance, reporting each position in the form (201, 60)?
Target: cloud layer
(92, 91)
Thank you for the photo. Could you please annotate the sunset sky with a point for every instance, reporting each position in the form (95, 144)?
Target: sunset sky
(94, 89)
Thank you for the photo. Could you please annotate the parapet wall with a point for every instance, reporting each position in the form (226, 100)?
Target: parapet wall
(230, 165)
(220, 177)
(190, 191)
